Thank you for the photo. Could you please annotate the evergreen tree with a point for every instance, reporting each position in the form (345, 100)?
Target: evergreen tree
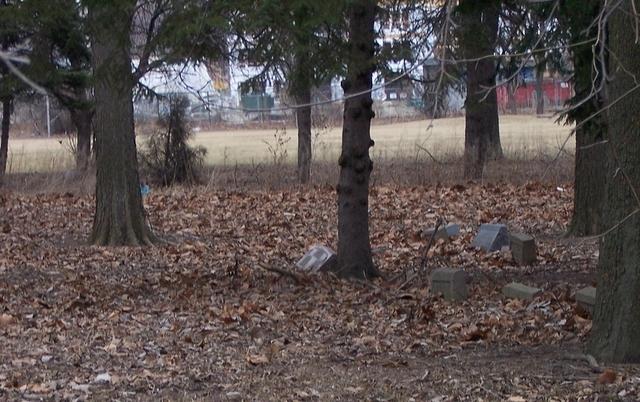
(157, 33)
(303, 49)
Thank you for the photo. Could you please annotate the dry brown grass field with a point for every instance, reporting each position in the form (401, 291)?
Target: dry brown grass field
(522, 136)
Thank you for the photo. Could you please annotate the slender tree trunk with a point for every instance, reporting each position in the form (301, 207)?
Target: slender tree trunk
(119, 218)
(354, 248)
(303, 117)
(482, 133)
(83, 120)
(512, 87)
(540, 89)
(591, 132)
(301, 81)
(615, 336)
(7, 104)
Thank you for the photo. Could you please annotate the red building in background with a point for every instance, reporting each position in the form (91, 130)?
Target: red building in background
(555, 91)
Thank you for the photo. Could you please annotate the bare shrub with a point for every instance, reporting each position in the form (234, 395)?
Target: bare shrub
(278, 148)
(168, 159)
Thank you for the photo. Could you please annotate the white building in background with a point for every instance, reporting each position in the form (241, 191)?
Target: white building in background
(213, 89)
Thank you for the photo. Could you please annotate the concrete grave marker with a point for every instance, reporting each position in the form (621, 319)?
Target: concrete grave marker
(586, 298)
(516, 290)
(523, 248)
(317, 259)
(452, 283)
(444, 232)
(492, 237)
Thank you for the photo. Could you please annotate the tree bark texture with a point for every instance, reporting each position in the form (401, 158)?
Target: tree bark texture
(301, 79)
(615, 336)
(479, 29)
(540, 89)
(83, 120)
(591, 132)
(119, 218)
(7, 104)
(512, 87)
(354, 248)
(303, 117)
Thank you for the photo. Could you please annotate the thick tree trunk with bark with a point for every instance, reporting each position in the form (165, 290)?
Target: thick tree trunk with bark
(354, 248)
(590, 179)
(119, 218)
(82, 119)
(615, 336)
(7, 104)
(479, 29)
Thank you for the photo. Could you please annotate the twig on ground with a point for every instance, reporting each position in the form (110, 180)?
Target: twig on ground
(593, 363)
(296, 278)
(425, 257)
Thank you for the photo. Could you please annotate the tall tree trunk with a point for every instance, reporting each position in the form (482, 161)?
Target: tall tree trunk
(589, 180)
(540, 88)
(590, 157)
(7, 104)
(615, 336)
(82, 119)
(119, 218)
(300, 89)
(303, 117)
(354, 248)
(482, 133)
(512, 87)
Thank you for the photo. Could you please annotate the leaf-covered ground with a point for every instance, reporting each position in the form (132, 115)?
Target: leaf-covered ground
(199, 319)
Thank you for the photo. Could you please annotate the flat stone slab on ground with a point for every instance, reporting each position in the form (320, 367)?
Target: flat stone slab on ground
(517, 290)
(444, 232)
(586, 298)
(452, 283)
(317, 259)
(523, 248)
(492, 237)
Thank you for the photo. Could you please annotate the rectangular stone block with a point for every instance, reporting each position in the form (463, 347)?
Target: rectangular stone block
(444, 232)
(516, 290)
(452, 283)
(441, 234)
(317, 259)
(492, 237)
(453, 229)
(586, 298)
(523, 248)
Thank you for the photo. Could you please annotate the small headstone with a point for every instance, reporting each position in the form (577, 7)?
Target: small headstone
(453, 229)
(317, 259)
(444, 232)
(516, 290)
(586, 298)
(452, 283)
(440, 234)
(492, 237)
(523, 248)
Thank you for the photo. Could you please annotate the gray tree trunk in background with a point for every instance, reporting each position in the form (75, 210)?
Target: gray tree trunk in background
(479, 30)
(591, 128)
(7, 104)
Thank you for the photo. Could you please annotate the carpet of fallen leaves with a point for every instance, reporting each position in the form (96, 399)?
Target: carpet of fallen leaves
(198, 319)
